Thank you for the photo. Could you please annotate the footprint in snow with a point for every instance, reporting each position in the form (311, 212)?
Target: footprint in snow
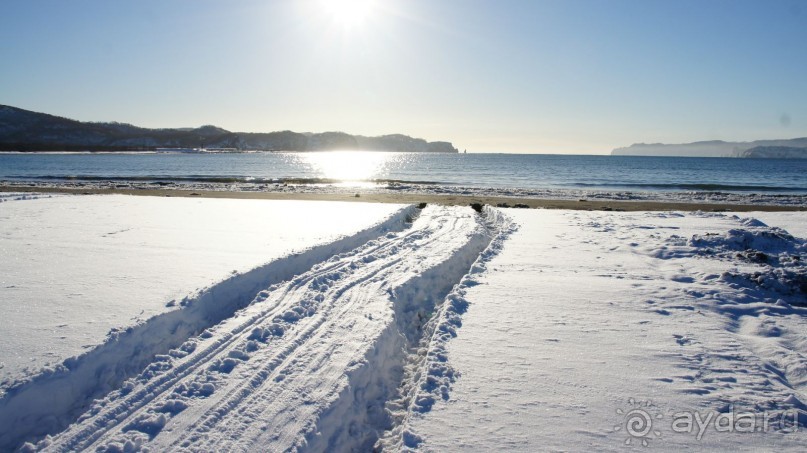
(682, 340)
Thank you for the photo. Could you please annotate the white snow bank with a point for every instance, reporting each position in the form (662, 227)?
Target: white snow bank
(73, 268)
(427, 372)
(592, 330)
(307, 365)
(793, 223)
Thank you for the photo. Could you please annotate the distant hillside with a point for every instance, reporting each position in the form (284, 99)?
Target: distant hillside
(714, 148)
(23, 130)
(776, 152)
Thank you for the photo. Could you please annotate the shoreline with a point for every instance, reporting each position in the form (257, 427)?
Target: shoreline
(411, 198)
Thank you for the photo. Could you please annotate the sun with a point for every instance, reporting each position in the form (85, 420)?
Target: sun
(349, 13)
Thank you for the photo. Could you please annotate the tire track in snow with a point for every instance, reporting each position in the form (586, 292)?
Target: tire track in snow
(356, 300)
(281, 372)
(225, 337)
(428, 374)
(51, 401)
(328, 370)
(242, 390)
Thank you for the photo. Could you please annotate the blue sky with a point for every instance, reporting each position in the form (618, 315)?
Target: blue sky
(491, 76)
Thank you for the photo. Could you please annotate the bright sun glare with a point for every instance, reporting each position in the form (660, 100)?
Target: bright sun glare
(349, 12)
(349, 166)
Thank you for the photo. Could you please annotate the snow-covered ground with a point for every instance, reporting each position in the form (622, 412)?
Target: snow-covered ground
(308, 365)
(73, 268)
(793, 223)
(439, 329)
(587, 324)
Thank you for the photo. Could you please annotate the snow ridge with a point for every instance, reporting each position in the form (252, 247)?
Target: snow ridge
(278, 373)
(50, 401)
(428, 372)
(379, 389)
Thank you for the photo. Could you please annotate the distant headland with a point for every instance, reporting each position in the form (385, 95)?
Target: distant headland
(24, 130)
(795, 148)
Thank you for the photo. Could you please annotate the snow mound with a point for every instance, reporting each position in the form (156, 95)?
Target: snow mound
(766, 258)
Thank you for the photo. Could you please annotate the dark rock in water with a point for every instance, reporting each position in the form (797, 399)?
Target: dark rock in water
(357, 195)
(477, 207)
(502, 205)
(521, 206)
(421, 205)
(606, 208)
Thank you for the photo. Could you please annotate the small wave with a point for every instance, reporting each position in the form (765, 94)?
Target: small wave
(221, 179)
(692, 187)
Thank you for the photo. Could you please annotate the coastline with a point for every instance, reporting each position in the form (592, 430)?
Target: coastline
(409, 198)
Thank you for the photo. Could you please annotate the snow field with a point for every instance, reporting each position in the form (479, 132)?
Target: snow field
(187, 239)
(428, 374)
(443, 329)
(308, 365)
(585, 317)
(74, 267)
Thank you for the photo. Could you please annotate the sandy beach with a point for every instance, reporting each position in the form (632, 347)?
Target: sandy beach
(406, 198)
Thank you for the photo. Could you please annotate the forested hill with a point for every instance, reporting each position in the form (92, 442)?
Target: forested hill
(24, 130)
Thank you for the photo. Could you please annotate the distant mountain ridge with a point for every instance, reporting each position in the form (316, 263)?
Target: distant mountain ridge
(775, 152)
(24, 130)
(787, 148)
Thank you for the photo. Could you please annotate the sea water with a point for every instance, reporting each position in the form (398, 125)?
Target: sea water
(506, 171)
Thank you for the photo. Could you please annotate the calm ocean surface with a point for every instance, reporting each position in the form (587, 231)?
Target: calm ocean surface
(525, 171)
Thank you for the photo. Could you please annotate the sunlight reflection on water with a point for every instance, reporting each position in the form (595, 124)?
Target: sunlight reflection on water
(350, 166)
